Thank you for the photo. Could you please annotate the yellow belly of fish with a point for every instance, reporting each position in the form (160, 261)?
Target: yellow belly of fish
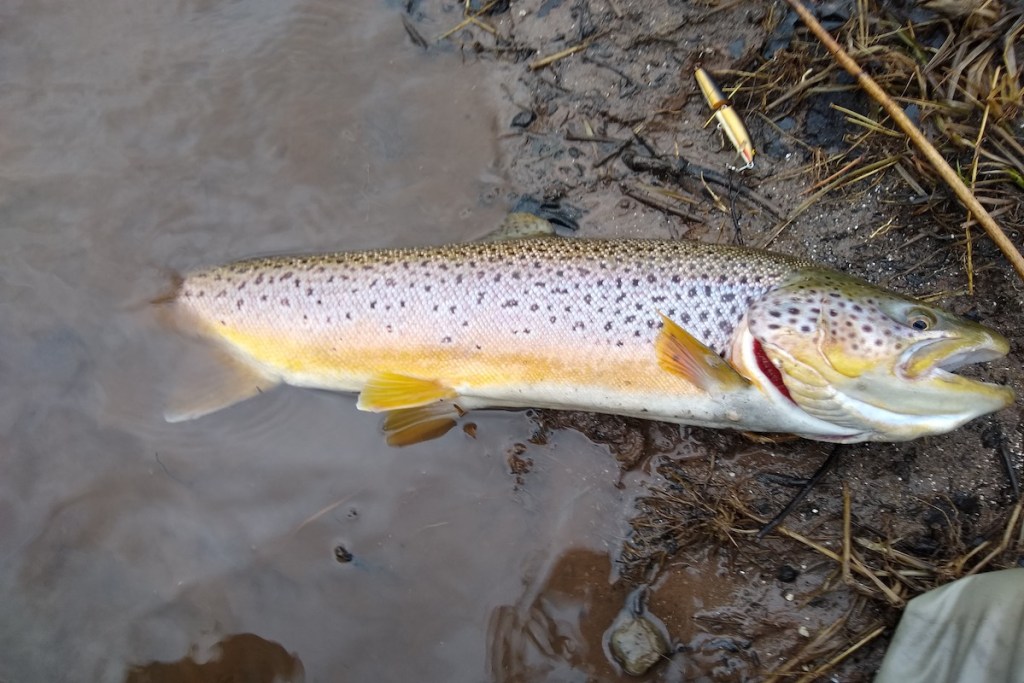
(542, 375)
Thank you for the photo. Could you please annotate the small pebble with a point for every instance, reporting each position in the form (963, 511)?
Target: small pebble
(523, 119)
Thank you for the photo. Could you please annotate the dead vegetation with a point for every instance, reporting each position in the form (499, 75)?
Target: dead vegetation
(879, 567)
(958, 75)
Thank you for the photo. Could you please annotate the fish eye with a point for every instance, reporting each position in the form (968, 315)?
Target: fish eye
(921, 320)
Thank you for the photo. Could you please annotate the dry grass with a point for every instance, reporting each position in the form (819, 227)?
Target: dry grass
(961, 78)
(702, 508)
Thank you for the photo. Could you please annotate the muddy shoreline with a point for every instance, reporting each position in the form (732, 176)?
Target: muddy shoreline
(603, 116)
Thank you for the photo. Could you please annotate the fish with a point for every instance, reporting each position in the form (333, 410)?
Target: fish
(679, 331)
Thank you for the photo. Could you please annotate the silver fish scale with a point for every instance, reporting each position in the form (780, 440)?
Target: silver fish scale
(606, 293)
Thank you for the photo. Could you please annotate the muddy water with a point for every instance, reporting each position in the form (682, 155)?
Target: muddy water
(278, 536)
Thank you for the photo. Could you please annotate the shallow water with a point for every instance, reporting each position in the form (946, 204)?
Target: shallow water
(139, 137)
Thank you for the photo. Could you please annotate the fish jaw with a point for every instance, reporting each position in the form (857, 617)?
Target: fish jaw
(863, 358)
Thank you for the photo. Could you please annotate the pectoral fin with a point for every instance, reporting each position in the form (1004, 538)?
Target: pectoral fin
(679, 353)
(391, 391)
(414, 425)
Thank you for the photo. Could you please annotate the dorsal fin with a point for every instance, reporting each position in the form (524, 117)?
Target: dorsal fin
(520, 225)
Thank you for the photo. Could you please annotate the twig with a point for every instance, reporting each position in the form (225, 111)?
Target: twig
(927, 149)
(562, 54)
(1004, 543)
(830, 664)
(682, 168)
(660, 206)
(847, 547)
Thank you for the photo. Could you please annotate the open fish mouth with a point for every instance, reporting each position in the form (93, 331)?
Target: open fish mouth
(941, 358)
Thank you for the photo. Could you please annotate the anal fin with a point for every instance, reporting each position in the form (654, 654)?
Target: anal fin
(389, 391)
(681, 354)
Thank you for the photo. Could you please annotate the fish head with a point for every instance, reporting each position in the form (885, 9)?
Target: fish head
(878, 365)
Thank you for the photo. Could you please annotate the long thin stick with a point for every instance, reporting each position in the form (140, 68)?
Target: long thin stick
(927, 149)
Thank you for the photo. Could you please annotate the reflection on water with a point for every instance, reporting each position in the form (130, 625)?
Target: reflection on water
(143, 136)
(242, 657)
(557, 630)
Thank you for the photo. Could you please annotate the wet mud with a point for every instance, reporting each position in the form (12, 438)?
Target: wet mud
(281, 537)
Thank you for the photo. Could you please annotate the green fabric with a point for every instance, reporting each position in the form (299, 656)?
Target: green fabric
(968, 631)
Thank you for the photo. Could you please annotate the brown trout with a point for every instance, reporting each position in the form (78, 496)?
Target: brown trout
(685, 332)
